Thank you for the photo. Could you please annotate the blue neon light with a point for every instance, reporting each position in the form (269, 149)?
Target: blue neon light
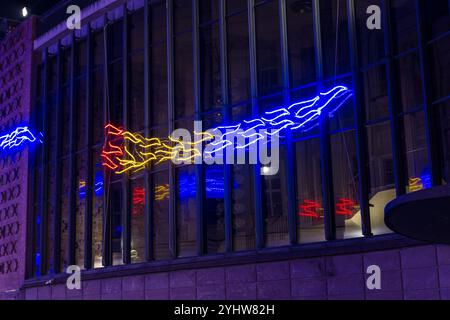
(300, 116)
(214, 185)
(18, 137)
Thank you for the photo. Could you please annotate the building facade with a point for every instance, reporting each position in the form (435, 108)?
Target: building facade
(224, 231)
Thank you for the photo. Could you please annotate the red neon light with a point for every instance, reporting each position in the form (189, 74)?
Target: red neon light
(345, 207)
(309, 209)
(138, 201)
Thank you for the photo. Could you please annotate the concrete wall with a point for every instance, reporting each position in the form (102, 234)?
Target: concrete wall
(15, 100)
(409, 273)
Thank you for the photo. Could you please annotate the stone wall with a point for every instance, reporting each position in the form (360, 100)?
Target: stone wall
(16, 52)
(410, 273)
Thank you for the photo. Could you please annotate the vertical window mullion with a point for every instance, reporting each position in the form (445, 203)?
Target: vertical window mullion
(259, 226)
(431, 129)
(394, 105)
(149, 254)
(126, 207)
(170, 117)
(58, 174)
(361, 135)
(72, 158)
(227, 118)
(290, 150)
(325, 147)
(89, 136)
(44, 182)
(199, 168)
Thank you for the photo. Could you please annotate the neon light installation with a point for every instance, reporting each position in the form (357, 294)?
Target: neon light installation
(125, 151)
(309, 209)
(345, 207)
(18, 137)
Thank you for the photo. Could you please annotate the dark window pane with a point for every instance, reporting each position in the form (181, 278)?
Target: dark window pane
(115, 37)
(336, 53)
(52, 74)
(310, 219)
(65, 60)
(81, 59)
(158, 98)
(235, 5)
(275, 200)
(98, 119)
(116, 209)
(243, 219)
(136, 25)
(345, 184)
(51, 189)
(300, 23)
(437, 13)
(210, 67)
(444, 127)
(64, 205)
(116, 93)
(158, 22)
(80, 112)
(182, 15)
(97, 209)
(65, 121)
(186, 212)
(404, 24)
(381, 166)
(160, 215)
(184, 92)
(209, 10)
(371, 42)
(137, 110)
(376, 95)
(268, 48)
(98, 49)
(440, 68)
(410, 82)
(80, 208)
(138, 204)
(238, 58)
(418, 172)
(214, 209)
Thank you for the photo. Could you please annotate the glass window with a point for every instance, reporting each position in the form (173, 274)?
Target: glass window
(80, 114)
(382, 181)
(437, 15)
(371, 42)
(81, 58)
(275, 201)
(80, 203)
(210, 67)
(300, 24)
(310, 213)
(376, 93)
(98, 118)
(116, 210)
(116, 93)
(136, 25)
(138, 205)
(186, 212)
(243, 212)
(65, 199)
(97, 209)
(410, 82)
(238, 58)
(137, 108)
(443, 111)
(404, 24)
(209, 10)
(418, 173)
(184, 91)
(159, 90)
(235, 6)
(51, 189)
(65, 61)
(158, 22)
(335, 41)
(98, 49)
(182, 15)
(440, 68)
(346, 185)
(214, 208)
(160, 215)
(268, 50)
(115, 40)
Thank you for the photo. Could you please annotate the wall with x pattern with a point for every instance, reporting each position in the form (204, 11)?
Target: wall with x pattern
(15, 94)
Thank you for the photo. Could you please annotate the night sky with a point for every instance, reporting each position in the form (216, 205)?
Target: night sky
(11, 9)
